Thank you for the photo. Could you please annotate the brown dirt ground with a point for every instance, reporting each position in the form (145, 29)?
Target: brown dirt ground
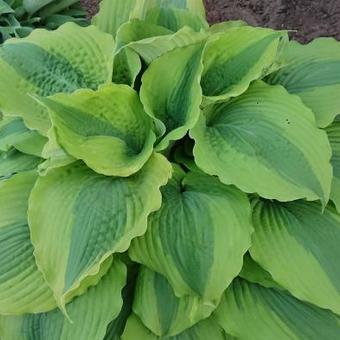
(307, 18)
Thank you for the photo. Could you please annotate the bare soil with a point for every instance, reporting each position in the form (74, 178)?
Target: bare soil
(307, 19)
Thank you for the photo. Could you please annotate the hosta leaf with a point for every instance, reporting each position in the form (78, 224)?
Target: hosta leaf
(196, 7)
(14, 133)
(206, 329)
(253, 272)
(113, 14)
(46, 63)
(250, 311)
(5, 8)
(32, 6)
(299, 246)
(108, 128)
(54, 154)
(224, 26)
(171, 92)
(78, 218)
(90, 314)
(151, 41)
(22, 287)
(160, 310)
(126, 66)
(333, 132)
(313, 73)
(116, 327)
(137, 30)
(175, 18)
(13, 161)
(185, 159)
(265, 141)
(11, 130)
(198, 237)
(233, 59)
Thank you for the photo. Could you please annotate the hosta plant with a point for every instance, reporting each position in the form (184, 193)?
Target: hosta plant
(163, 179)
(19, 17)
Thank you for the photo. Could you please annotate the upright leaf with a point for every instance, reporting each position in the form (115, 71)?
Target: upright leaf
(90, 313)
(313, 73)
(195, 7)
(107, 129)
(265, 141)
(198, 237)
(113, 14)
(22, 286)
(333, 132)
(250, 311)
(46, 63)
(116, 327)
(171, 92)
(78, 218)
(299, 246)
(175, 18)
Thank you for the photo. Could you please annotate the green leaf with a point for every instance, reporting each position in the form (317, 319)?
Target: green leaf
(107, 129)
(206, 329)
(136, 30)
(14, 133)
(11, 130)
(171, 92)
(236, 57)
(13, 161)
(5, 8)
(253, 272)
(54, 154)
(116, 327)
(299, 246)
(333, 132)
(32, 6)
(195, 7)
(266, 142)
(249, 311)
(90, 314)
(175, 19)
(126, 67)
(46, 63)
(113, 14)
(313, 73)
(198, 237)
(22, 286)
(224, 26)
(78, 218)
(160, 310)
(57, 7)
(151, 41)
